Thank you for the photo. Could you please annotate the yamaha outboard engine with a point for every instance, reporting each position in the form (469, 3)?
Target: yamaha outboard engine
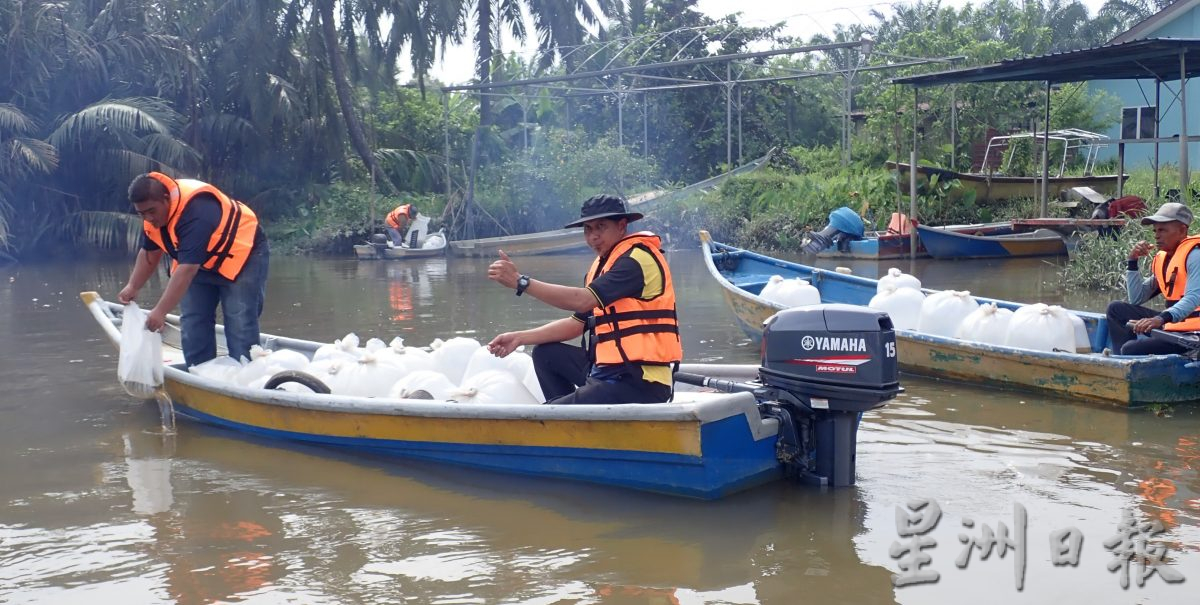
(844, 225)
(822, 367)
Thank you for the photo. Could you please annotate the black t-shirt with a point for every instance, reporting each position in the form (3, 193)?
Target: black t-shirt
(635, 275)
(196, 225)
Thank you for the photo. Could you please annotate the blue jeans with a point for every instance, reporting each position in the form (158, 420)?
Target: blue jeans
(395, 235)
(241, 303)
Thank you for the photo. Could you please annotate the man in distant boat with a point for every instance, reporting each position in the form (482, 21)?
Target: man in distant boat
(219, 255)
(1175, 260)
(397, 221)
(625, 312)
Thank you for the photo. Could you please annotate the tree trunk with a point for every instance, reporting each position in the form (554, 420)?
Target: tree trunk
(483, 65)
(341, 84)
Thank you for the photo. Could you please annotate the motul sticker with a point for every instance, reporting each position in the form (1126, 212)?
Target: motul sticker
(837, 369)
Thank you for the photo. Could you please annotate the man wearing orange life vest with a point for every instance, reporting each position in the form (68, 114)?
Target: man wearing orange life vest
(219, 255)
(1176, 259)
(396, 222)
(626, 311)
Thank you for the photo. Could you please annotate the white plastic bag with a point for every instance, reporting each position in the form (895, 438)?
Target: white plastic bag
(140, 365)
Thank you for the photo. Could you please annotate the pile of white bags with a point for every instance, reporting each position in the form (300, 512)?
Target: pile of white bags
(987, 324)
(793, 292)
(897, 279)
(899, 295)
(458, 369)
(1042, 328)
(437, 240)
(942, 312)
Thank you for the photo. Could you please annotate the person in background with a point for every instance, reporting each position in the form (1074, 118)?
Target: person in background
(1175, 260)
(397, 221)
(626, 309)
(219, 255)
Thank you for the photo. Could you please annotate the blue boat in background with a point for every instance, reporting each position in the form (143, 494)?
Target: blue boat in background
(947, 243)
(1097, 376)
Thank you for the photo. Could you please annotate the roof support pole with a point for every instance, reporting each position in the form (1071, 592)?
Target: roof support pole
(620, 115)
(1046, 155)
(446, 134)
(739, 108)
(954, 126)
(912, 182)
(728, 114)
(645, 125)
(1184, 177)
(1157, 105)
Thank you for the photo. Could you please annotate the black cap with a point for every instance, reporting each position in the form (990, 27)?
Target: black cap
(603, 206)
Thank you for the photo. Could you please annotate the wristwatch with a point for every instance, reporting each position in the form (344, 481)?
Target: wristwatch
(522, 283)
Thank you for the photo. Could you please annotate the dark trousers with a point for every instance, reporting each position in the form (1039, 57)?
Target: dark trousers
(562, 371)
(1124, 341)
(241, 302)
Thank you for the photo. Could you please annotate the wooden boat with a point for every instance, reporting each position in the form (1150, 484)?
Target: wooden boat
(1112, 379)
(990, 184)
(558, 241)
(943, 243)
(1000, 187)
(389, 252)
(702, 445)
(884, 245)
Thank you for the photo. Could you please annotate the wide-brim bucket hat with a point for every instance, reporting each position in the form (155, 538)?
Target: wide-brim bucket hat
(604, 206)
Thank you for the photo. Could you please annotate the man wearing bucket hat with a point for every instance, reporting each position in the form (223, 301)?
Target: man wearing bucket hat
(1175, 260)
(625, 313)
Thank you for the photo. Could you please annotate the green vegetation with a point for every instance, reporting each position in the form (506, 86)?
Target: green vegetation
(297, 109)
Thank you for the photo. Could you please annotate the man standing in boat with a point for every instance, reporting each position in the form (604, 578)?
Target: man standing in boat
(219, 255)
(626, 312)
(397, 221)
(1176, 259)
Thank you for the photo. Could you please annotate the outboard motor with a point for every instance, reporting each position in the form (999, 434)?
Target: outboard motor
(822, 367)
(844, 225)
(378, 241)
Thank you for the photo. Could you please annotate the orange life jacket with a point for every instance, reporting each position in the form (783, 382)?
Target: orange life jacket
(231, 242)
(632, 330)
(1172, 282)
(394, 217)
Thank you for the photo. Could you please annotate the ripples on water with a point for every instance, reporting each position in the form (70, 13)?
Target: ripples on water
(97, 509)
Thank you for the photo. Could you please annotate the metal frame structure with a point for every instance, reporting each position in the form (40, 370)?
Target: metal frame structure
(741, 69)
(1160, 59)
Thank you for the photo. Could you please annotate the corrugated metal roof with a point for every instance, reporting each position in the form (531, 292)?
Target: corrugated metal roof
(1153, 58)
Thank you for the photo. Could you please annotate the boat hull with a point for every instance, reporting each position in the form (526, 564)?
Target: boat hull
(995, 187)
(942, 243)
(559, 241)
(368, 252)
(703, 445)
(1125, 381)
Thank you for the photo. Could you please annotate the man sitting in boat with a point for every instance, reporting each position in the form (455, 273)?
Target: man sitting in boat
(397, 221)
(219, 253)
(1176, 258)
(626, 308)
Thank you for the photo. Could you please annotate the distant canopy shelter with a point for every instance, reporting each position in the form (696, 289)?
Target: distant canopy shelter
(1163, 59)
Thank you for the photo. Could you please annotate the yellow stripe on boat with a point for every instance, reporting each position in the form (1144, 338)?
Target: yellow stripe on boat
(655, 436)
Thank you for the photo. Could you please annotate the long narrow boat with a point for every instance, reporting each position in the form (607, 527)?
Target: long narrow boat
(558, 241)
(1113, 379)
(389, 252)
(702, 445)
(885, 245)
(945, 243)
(1000, 187)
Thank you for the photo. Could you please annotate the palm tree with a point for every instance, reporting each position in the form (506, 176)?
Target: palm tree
(559, 26)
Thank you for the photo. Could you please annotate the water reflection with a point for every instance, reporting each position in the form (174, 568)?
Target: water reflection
(349, 528)
(97, 509)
